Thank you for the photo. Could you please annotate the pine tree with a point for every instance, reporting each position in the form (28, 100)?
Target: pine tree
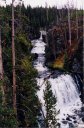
(50, 104)
(7, 116)
(28, 104)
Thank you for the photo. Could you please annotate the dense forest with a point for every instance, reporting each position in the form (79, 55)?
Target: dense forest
(28, 22)
(27, 104)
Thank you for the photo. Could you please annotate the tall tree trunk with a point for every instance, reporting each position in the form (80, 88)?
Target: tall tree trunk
(83, 52)
(83, 24)
(77, 23)
(47, 13)
(13, 61)
(47, 17)
(20, 23)
(77, 19)
(1, 72)
(53, 45)
(69, 23)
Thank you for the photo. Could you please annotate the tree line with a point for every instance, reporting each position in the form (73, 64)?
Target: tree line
(19, 104)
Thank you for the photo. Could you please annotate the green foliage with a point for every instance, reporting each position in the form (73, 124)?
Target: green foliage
(1, 82)
(27, 24)
(66, 62)
(27, 101)
(28, 104)
(50, 104)
(23, 42)
(27, 66)
(27, 91)
(7, 117)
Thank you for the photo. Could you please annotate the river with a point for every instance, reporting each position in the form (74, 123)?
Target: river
(64, 88)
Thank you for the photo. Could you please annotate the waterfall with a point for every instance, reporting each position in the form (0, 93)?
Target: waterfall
(67, 94)
(63, 87)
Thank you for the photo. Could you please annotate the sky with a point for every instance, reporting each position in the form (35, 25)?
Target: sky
(58, 3)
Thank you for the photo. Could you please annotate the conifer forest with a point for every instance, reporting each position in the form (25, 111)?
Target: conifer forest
(41, 65)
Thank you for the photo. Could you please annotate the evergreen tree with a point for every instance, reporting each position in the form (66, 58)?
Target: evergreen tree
(50, 104)
(28, 104)
(27, 101)
(7, 116)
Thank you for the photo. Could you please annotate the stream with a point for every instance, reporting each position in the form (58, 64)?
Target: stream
(63, 86)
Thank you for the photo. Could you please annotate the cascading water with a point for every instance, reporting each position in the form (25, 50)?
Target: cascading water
(63, 87)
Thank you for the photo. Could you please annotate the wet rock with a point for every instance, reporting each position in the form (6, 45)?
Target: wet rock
(56, 73)
(75, 65)
(82, 109)
(64, 122)
(81, 114)
(75, 122)
(35, 56)
(63, 119)
(71, 125)
(68, 119)
(83, 119)
(73, 117)
(58, 124)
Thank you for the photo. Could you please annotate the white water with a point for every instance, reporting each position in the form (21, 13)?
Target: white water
(63, 87)
(67, 94)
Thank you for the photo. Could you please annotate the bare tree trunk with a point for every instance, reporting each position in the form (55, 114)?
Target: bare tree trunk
(47, 22)
(47, 38)
(1, 72)
(83, 26)
(77, 20)
(13, 61)
(77, 23)
(83, 52)
(53, 45)
(20, 24)
(47, 13)
(57, 20)
(60, 16)
(69, 23)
